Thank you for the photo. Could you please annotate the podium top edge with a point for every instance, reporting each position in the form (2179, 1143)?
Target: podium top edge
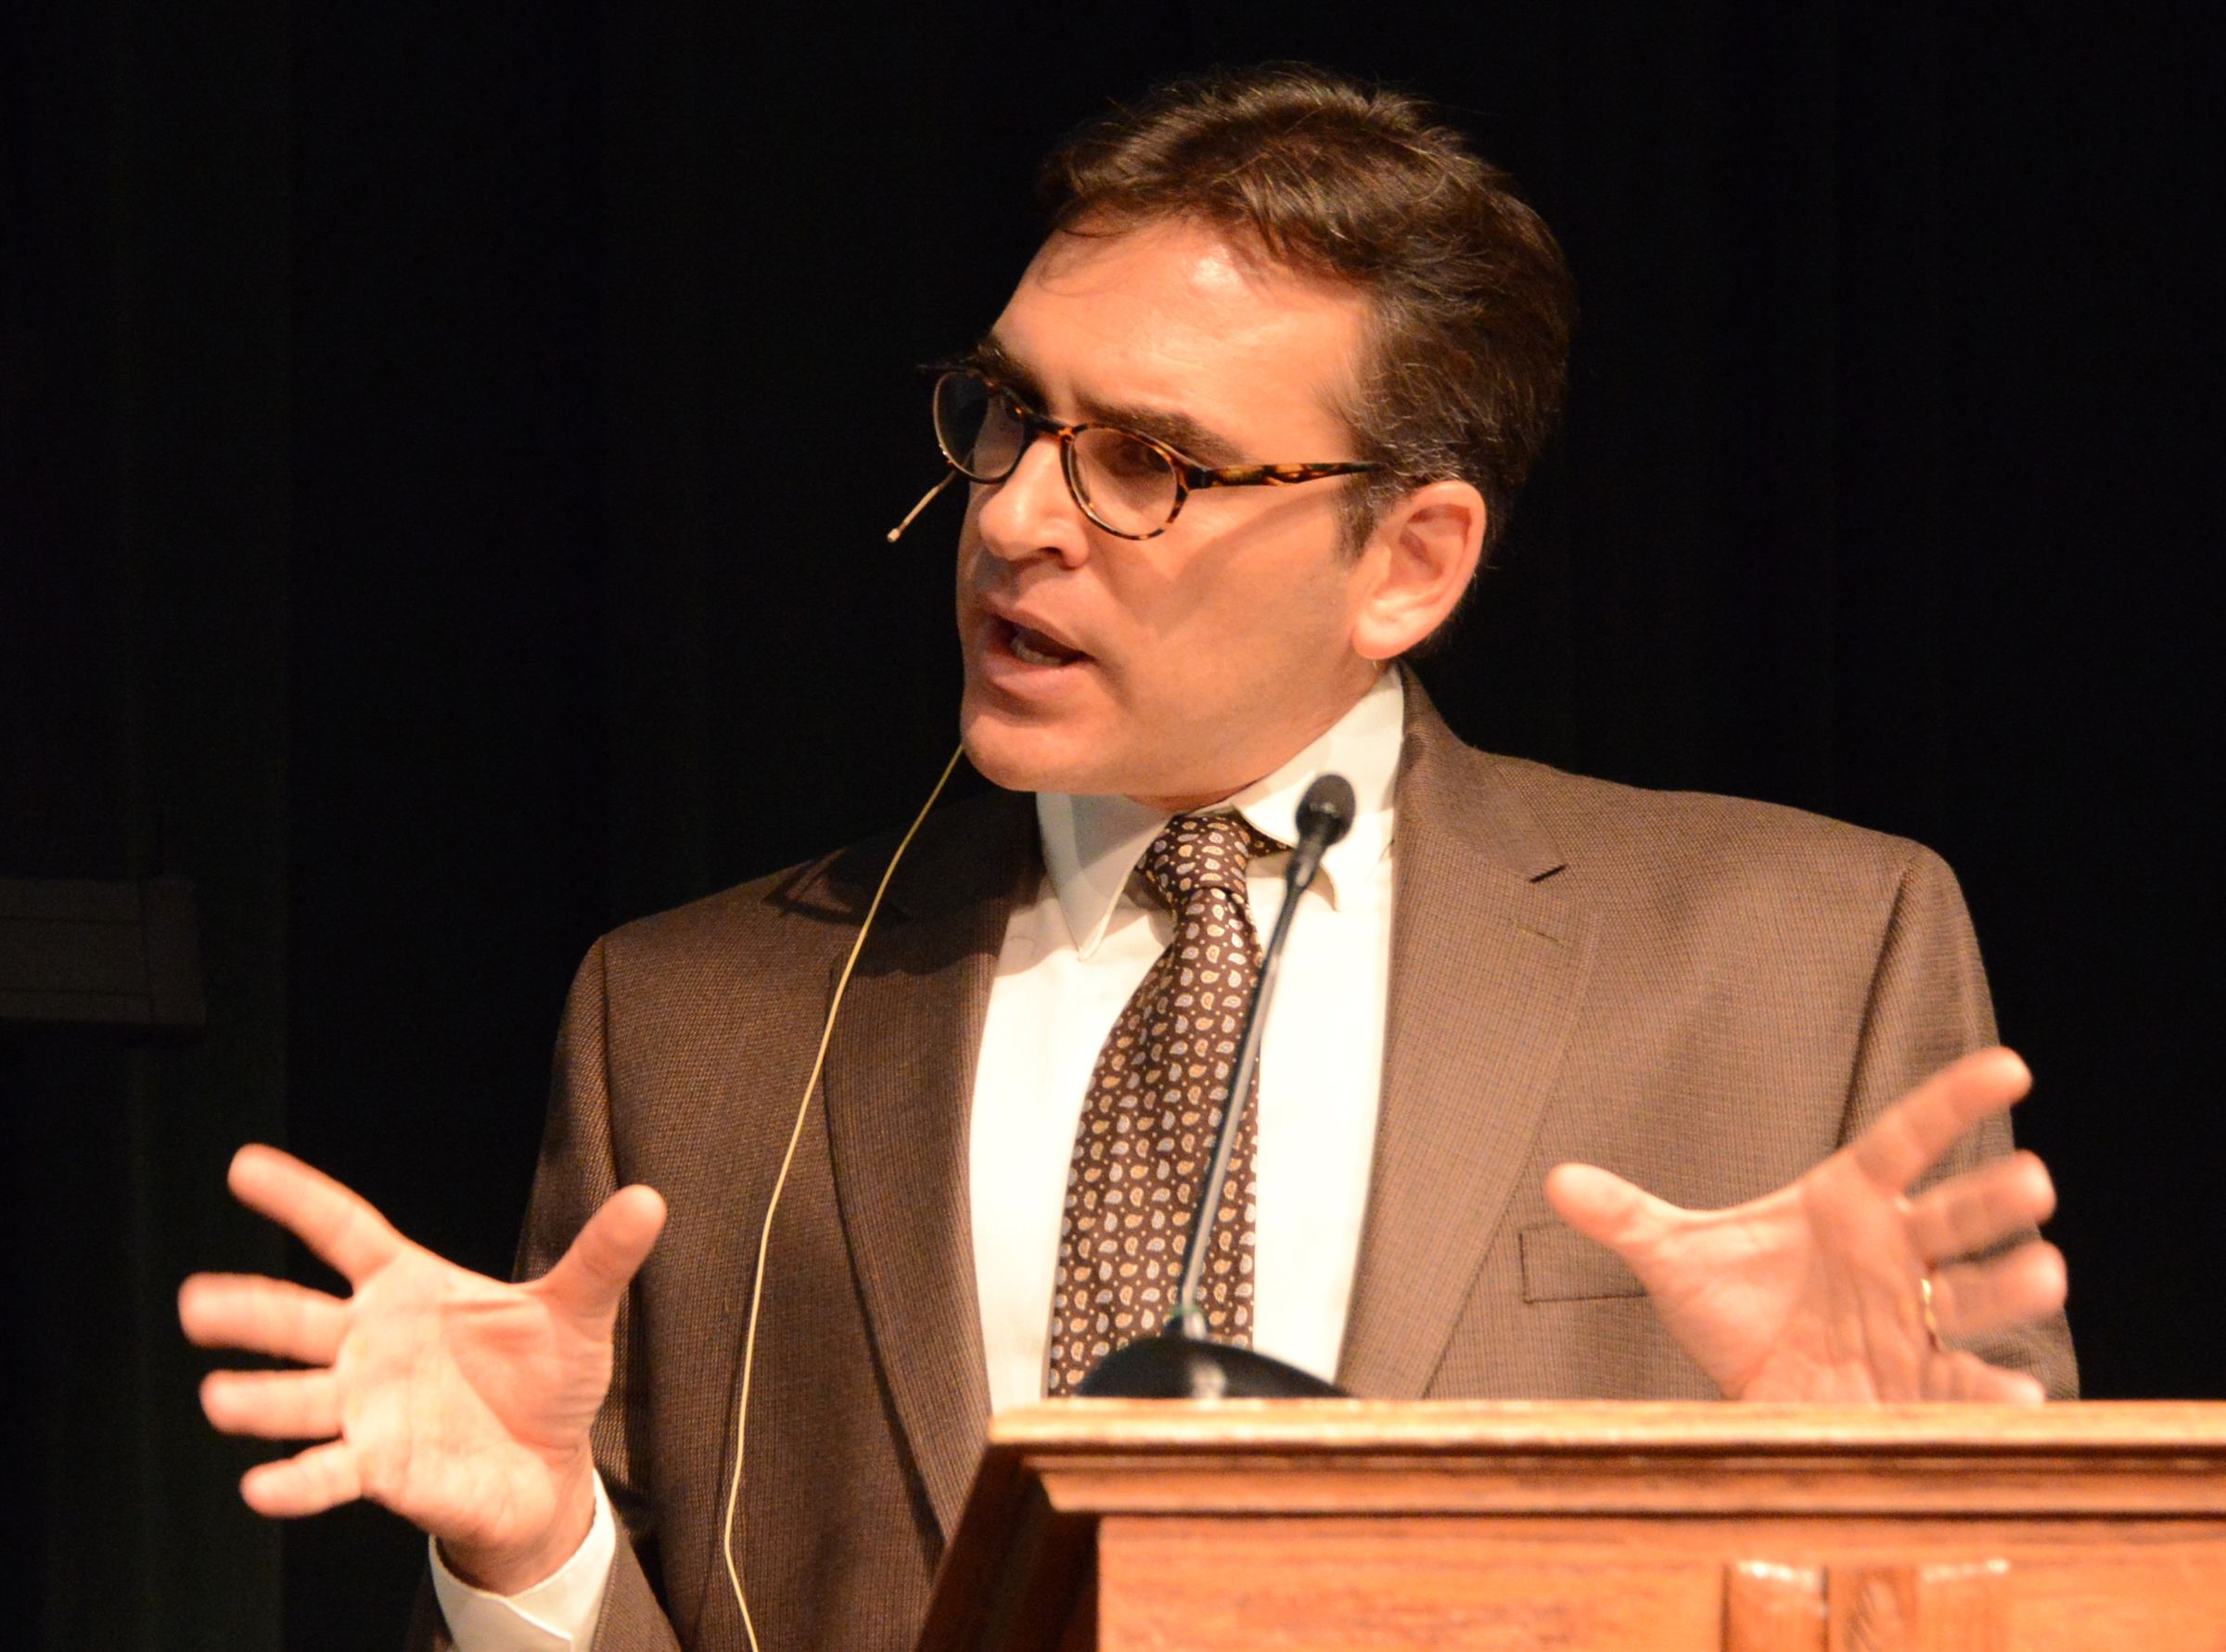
(1507, 1426)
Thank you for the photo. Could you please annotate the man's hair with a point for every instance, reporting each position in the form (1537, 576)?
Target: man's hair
(1466, 354)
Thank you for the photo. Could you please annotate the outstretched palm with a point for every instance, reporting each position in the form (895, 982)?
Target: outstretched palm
(460, 1402)
(1814, 1292)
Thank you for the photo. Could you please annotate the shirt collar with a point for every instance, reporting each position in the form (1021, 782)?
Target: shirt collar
(1092, 844)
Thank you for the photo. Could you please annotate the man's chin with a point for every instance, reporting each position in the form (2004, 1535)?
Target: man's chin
(1026, 755)
(1011, 762)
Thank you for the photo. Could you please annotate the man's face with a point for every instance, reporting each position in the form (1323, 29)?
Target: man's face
(1179, 669)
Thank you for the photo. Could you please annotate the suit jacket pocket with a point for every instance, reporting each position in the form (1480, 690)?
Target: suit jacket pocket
(1561, 1265)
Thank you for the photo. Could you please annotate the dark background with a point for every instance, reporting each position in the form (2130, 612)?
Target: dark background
(443, 459)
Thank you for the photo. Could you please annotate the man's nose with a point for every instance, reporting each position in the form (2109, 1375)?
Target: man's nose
(1032, 512)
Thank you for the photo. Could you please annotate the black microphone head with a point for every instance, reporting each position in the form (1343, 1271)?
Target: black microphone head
(1326, 812)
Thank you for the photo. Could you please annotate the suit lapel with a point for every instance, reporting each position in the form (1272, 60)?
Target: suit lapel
(1488, 963)
(899, 1086)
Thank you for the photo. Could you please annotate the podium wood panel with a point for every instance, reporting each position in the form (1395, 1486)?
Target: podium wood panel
(1347, 1524)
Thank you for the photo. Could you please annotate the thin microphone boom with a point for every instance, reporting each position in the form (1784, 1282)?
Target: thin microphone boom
(1325, 817)
(1182, 1361)
(927, 498)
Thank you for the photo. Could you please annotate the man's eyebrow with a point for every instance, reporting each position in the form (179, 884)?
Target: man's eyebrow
(993, 360)
(1179, 430)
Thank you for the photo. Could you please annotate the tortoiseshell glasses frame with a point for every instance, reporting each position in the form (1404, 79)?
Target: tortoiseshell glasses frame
(956, 384)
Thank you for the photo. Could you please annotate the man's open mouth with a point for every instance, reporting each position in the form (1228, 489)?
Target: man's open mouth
(1032, 647)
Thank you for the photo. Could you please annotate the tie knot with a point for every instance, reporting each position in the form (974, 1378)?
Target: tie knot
(1198, 852)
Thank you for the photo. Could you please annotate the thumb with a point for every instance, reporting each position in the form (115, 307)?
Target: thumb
(590, 1278)
(1602, 1206)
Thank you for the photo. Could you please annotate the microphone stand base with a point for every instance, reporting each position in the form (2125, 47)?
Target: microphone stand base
(1168, 1368)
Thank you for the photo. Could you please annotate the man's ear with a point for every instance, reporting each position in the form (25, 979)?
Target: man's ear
(1420, 559)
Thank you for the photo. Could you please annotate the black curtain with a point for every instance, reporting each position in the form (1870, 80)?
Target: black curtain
(443, 461)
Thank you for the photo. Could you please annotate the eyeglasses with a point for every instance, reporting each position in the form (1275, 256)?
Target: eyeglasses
(1129, 484)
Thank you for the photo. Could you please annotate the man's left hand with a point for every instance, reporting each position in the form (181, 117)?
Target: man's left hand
(1817, 1291)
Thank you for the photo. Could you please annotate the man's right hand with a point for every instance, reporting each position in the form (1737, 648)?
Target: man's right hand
(459, 1402)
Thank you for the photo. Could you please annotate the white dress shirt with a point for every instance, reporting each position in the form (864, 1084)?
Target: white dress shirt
(1070, 962)
(557, 1614)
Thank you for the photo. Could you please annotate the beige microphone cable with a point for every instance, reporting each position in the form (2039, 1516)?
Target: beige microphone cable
(795, 1134)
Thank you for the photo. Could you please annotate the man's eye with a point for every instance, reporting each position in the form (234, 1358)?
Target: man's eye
(1131, 458)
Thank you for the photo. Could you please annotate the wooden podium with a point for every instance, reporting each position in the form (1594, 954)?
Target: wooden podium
(1344, 1523)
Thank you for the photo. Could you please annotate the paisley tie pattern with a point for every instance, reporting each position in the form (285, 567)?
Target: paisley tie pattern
(1155, 1105)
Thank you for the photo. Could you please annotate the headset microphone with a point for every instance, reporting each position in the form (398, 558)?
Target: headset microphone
(948, 477)
(804, 1107)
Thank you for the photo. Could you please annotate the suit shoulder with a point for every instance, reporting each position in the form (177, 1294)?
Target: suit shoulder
(1613, 834)
(766, 911)
(786, 919)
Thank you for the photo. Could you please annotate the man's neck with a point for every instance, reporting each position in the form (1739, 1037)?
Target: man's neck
(1090, 844)
(1310, 732)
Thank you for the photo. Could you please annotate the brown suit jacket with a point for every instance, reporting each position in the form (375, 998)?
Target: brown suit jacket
(1704, 994)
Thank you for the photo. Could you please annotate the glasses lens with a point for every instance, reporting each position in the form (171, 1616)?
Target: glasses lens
(1127, 484)
(976, 426)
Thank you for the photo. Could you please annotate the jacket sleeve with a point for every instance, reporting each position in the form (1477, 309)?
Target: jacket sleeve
(577, 1171)
(1929, 1005)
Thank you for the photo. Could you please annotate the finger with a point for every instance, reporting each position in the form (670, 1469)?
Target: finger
(246, 1310)
(274, 1404)
(1602, 1206)
(1978, 1298)
(590, 1278)
(1959, 1375)
(306, 1483)
(1913, 1133)
(333, 1220)
(1982, 1208)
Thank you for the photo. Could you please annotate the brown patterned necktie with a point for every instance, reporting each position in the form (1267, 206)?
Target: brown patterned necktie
(1155, 1105)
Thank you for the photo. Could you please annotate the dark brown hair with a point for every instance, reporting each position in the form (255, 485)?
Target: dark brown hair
(1467, 353)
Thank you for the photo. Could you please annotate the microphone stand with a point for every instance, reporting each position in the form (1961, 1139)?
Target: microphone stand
(1182, 1361)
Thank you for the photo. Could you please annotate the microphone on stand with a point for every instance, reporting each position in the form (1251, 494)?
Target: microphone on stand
(1181, 1362)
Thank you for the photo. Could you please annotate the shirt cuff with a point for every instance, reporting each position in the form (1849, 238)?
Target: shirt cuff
(555, 1615)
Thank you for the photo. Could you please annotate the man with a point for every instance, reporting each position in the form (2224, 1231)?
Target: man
(1234, 447)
